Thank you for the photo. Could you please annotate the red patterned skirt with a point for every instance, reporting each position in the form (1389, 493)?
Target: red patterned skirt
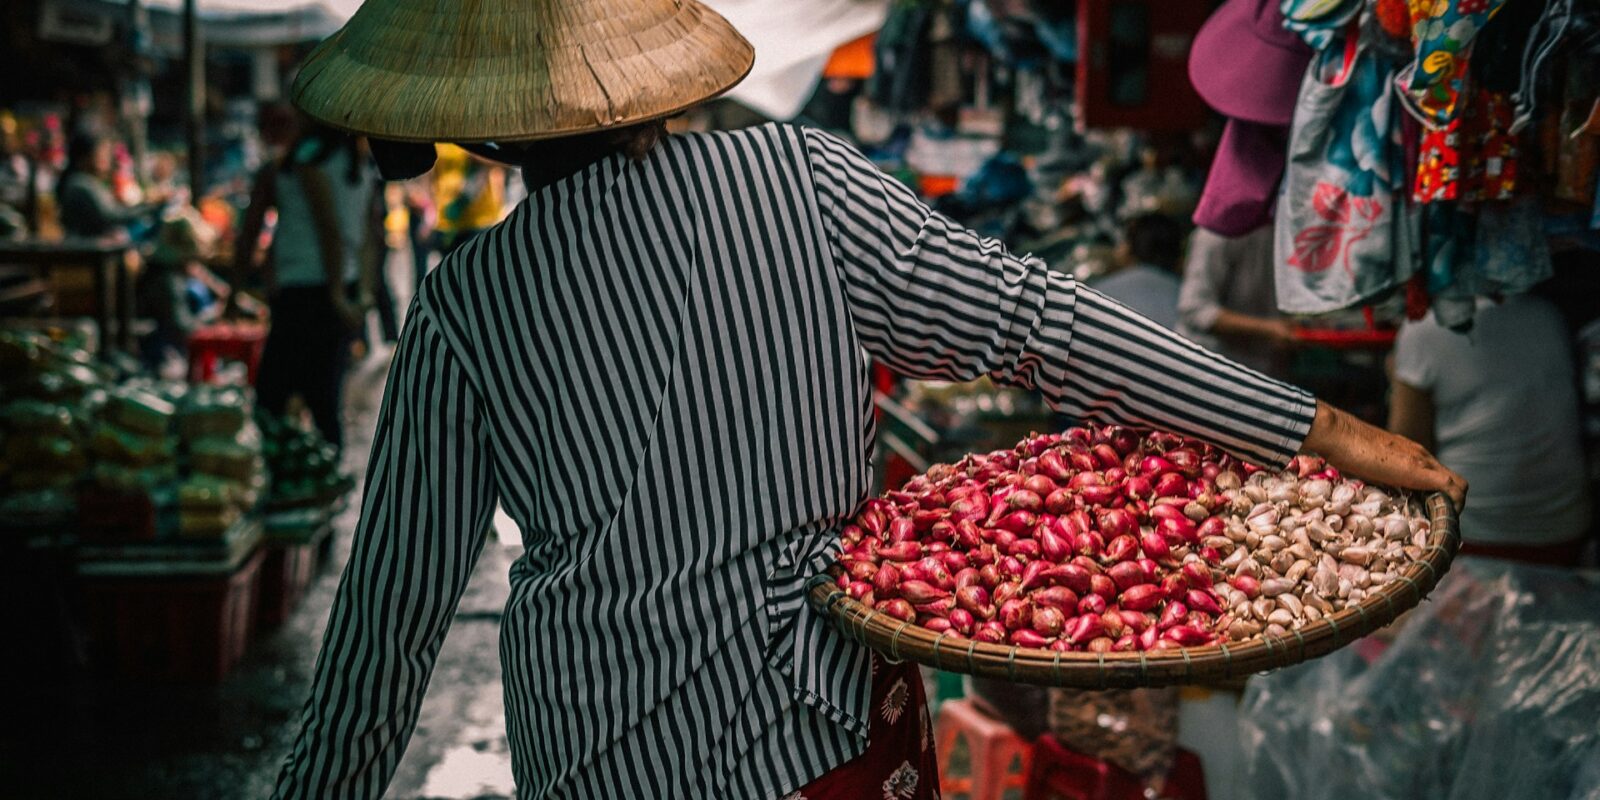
(899, 762)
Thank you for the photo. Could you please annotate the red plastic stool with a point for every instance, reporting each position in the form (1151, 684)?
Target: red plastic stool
(991, 745)
(1061, 774)
(236, 341)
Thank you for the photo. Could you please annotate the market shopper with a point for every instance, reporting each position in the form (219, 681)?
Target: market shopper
(1227, 302)
(658, 365)
(87, 205)
(1500, 406)
(319, 275)
(1144, 276)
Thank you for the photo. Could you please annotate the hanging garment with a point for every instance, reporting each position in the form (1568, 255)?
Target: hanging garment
(1577, 153)
(1499, 250)
(1490, 172)
(1512, 254)
(1472, 158)
(1543, 42)
(901, 82)
(1318, 21)
(1442, 32)
(1343, 233)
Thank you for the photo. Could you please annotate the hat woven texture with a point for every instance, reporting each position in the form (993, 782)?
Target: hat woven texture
(517, 70)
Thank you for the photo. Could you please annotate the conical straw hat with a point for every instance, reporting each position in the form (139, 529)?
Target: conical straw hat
(515, 70)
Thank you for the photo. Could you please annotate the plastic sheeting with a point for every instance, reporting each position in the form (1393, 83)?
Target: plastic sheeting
(1490, 690)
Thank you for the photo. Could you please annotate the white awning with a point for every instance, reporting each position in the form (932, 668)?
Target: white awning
(793, 40)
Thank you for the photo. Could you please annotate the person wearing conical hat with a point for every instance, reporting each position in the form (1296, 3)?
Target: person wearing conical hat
(658, 364)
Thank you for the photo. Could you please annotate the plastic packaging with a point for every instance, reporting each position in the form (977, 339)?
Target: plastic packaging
(1490, 690)
(112, 442)
(39, 418)
(140, 411)
(214, 412)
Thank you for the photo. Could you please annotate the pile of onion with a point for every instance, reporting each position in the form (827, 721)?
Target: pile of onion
(1109, 539)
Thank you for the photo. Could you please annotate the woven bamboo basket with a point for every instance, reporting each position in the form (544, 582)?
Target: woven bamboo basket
(908, 641)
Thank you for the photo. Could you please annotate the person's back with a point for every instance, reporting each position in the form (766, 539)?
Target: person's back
(87, 206)
(1151, 291)
(296, 252)
(1146, 264)
(1506, 417)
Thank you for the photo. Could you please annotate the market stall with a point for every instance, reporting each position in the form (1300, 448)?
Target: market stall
(191, 523)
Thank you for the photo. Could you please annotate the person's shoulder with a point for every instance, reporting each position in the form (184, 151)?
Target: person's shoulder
(766, 138)
(765, 154)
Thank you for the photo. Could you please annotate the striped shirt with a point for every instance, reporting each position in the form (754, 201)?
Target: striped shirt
(660, 369)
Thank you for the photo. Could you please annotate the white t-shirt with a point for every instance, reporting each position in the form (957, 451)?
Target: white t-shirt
(296, 253)
(1151, 291)
(1506, 418)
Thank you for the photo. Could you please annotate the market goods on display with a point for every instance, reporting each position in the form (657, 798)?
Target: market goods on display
(1110, 540)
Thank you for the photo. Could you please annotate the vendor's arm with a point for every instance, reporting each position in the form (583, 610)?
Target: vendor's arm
(1274, 330)
(1367, 451)
(429, 500)
(934, 300)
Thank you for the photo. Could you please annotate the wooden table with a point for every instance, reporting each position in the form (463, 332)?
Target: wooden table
(106, 259)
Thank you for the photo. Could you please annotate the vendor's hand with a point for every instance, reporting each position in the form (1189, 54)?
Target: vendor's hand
(1371, 453)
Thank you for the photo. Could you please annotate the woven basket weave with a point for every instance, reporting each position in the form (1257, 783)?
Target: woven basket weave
(1216, 662)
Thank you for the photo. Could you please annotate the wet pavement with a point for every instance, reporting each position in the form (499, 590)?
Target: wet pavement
(68, 736)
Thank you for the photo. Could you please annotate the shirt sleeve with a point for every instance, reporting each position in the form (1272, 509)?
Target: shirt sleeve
(429, 501)
(934, 300)
(1204, 274)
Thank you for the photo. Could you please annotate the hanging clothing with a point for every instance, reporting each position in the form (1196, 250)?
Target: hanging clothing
(1343, 233)
(1473, 158)
(1442, 31)
(1242, 184)
(1493, 250)
(1543, 42)
(1318, 22)
(660, 369)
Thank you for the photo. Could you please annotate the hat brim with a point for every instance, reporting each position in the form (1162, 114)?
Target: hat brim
(443, 91)
(1242, 76)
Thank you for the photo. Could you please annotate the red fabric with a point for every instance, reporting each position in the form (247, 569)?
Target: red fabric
(899, 762)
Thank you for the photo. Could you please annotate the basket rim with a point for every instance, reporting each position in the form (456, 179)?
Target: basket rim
(903, 640)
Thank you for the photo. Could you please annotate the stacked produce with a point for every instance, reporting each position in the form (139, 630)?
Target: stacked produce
(304, 467)
(1107, 539)
(132, 440)
(226, 473)
(49, 390)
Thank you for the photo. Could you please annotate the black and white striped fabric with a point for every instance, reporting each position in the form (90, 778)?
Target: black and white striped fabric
(660, 369)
